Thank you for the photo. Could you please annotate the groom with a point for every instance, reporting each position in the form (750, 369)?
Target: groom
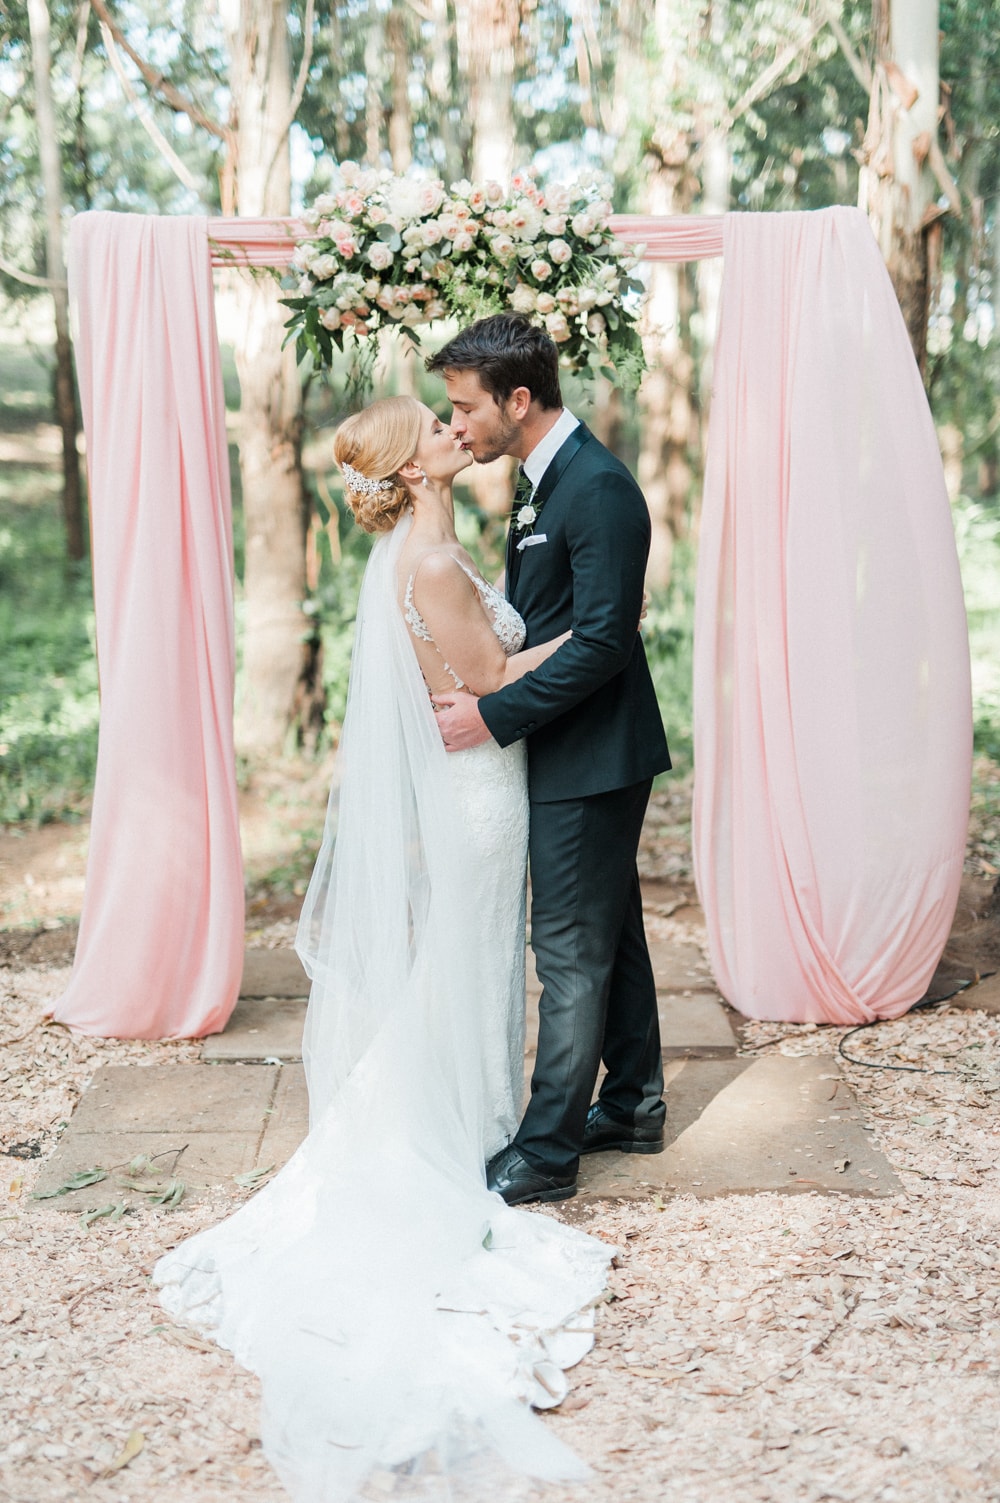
(576, 558)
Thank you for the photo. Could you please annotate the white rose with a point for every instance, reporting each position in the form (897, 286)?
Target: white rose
(586, 298)
(560, 252)
(554, 224)
(558, 200)
(386, 298)
(412, 314)
(431, 197)
(435, 308)
(541, 270)
(324, 205)
(433, 232)
(451, 226)
(596, 324)
(380, 256)
(523, 298)
(477, 200)
(462, 188)
(323, 267)
(501, 219)
(463, 242)
(503, 247)
(527, 516)
(545, 303)
(494, 194)
(558, 327)
(525, 221)
(372, 287)
(330, 319)
(583, 224)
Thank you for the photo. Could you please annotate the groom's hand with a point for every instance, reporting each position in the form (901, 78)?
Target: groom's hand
(459, 721)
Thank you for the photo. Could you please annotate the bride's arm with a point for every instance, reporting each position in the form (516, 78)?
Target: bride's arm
(453, 613)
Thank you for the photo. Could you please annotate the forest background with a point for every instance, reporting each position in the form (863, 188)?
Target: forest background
(242, 106)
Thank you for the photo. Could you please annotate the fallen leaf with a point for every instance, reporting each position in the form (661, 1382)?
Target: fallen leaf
(128, 1452)
(252, 1178)
(113, 1212)
(78, 1181)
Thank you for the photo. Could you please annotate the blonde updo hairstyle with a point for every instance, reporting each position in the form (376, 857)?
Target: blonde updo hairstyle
(377, 442)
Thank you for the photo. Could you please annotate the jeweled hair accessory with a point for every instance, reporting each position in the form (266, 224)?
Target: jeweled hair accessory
(364, 483)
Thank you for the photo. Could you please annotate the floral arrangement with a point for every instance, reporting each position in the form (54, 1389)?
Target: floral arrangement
(394, 252)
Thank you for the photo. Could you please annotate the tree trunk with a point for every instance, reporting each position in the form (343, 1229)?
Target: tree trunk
(668, 414)
(400, 117)
(281, 683)
(897, 189)
(65, 392)
(487, 36)
(374, 49)
(443, 86)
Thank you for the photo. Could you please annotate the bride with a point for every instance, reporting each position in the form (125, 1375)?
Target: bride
(402, 1318)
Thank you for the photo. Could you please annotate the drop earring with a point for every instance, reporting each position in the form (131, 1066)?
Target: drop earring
(425, 480)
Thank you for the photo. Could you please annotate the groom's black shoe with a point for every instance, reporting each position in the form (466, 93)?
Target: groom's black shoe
(602, 1133)
(510, 1175)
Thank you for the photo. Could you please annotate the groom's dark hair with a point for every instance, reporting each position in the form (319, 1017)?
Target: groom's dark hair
(506, 351)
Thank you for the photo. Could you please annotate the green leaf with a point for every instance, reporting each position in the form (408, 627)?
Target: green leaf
(252, 1178)
(78, 1181)
(113, 1212)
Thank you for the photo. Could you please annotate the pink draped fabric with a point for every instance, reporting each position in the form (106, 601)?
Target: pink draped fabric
(271, 242)
(832, 697)
(161, 933)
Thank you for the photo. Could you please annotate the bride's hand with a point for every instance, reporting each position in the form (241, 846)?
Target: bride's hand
(645, 608)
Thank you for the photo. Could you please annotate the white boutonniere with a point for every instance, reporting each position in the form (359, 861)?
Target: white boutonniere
(526, 517)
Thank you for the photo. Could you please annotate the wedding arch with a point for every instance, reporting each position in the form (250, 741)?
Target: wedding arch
(832, 695)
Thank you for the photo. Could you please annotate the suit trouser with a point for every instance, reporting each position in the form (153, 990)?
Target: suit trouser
(599, 997)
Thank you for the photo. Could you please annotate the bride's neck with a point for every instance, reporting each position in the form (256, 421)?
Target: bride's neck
(434, 513)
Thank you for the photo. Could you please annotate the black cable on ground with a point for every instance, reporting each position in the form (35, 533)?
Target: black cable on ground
(909, 1069)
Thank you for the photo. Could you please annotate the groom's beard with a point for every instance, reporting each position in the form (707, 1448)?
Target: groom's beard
(495, 443)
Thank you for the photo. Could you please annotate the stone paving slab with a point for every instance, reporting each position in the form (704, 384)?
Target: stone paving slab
(695, 1026)
(273, 973)
(679, 968)
(216, 1114)
(260, 1028)
(983, 997)
(205, 1160)
(742, 1125)
(269, 1027)
(288, 1122)
(175, 1098)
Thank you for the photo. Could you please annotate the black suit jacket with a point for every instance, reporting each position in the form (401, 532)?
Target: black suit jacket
(589, 713)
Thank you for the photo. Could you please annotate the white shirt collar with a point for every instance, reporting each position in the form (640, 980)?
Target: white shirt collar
(548, 447)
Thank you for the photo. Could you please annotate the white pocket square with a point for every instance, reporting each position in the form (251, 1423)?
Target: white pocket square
(531, 540)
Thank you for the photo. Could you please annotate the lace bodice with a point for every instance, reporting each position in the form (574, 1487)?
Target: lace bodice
(507, 624)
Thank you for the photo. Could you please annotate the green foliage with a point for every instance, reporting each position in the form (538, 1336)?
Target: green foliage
(48, 673)
(668, 635)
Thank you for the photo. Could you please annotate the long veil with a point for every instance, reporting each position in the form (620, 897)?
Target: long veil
(400, 1316)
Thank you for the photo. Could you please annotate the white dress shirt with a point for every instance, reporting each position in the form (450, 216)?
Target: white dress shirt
(548, 447)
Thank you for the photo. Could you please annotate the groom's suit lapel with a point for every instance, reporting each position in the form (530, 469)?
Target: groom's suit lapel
(557, 467)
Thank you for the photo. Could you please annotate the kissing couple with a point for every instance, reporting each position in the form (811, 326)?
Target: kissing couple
(403, 1317)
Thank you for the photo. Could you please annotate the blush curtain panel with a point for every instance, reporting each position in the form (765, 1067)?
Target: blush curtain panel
(833, 715)
(832, 698)
(161, 933)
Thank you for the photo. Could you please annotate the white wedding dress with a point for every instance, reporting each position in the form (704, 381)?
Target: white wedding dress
(401, 1318)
